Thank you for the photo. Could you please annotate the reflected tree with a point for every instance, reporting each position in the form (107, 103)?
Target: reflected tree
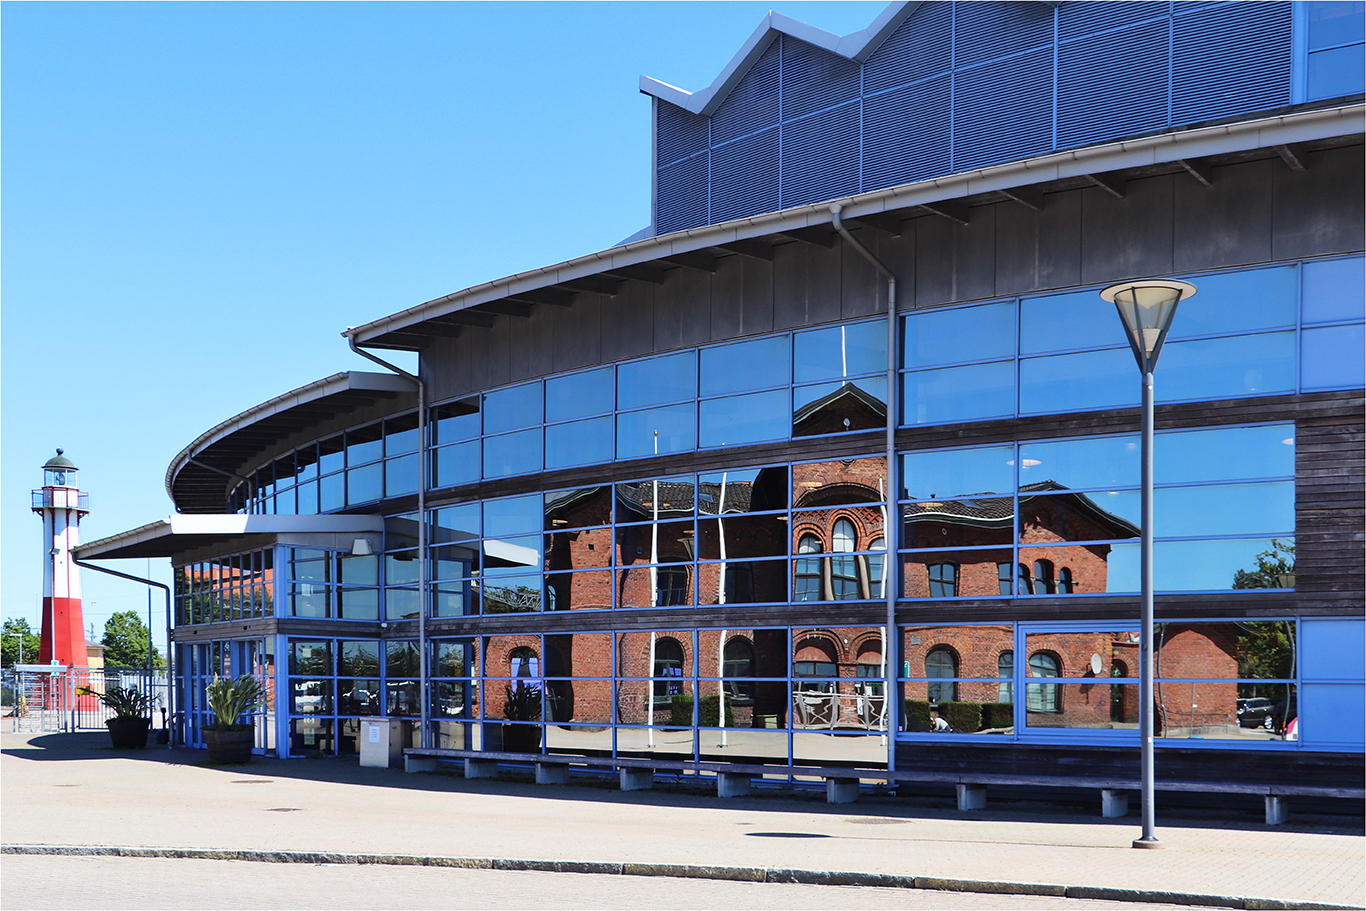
(1278, 561)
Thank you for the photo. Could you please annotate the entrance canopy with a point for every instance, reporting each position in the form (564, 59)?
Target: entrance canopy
(180, 536)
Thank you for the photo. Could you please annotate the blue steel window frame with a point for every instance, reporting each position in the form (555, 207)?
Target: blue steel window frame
(928, 553)
(906, 370)
(1019, 677)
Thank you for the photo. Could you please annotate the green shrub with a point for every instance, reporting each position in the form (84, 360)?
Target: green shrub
(124, 703)
(709, 713)
(998, 714)
(917, 715)
(964, 717)
(230, 699)
(680, 711)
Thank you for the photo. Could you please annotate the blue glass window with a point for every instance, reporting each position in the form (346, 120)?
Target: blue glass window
(951, 473)
(954, 394)
(513, 516)
(513, 408)
(457, 464)
(1224, 454)
(675, 424)
(659, 380)
(578, 443)
(742, 419)
(1225, 367)
(1078, 382)
(455, 421)
(958, 335)
(364, 445)
(839, 352)
(746, 366)
(579, 395)
(1334, 291)
(1333, 357)
(400, 475)
(512, 454)
(1234, 302)
(1064, 322)
(364, 484)
(1099, 462)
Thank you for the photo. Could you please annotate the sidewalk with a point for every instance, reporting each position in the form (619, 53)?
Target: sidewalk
(72, 790)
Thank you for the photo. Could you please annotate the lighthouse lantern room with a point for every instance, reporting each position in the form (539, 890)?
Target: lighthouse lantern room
(61, 505)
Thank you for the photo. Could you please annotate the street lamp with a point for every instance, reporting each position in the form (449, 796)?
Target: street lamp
(1147, 308)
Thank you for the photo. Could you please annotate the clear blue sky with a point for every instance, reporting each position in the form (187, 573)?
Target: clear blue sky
(198, 198)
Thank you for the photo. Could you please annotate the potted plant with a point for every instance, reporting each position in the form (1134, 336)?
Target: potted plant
(228, 740)
(132, 715)
(522, 703)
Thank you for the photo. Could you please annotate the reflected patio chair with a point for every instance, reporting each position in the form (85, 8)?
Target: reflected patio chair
(814, 709)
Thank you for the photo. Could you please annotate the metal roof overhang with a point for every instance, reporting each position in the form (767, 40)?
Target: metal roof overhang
(1024, 181)
(199, 477)
(183, 534)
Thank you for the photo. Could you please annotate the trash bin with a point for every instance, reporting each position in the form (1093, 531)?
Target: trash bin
(381, 742)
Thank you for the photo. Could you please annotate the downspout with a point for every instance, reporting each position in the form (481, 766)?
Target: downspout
(171, 740)
(421, 529)
(891, 534)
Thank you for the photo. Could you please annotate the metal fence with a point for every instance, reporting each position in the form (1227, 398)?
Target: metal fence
(37, 699)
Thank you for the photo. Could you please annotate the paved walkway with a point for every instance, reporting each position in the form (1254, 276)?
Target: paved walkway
(72, 790)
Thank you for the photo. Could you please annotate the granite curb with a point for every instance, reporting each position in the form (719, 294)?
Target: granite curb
(687, 871)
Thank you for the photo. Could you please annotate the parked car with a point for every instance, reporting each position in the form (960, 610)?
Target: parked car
(1257, 711)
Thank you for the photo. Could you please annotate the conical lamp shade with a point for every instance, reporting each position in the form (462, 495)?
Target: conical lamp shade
(1147, 308)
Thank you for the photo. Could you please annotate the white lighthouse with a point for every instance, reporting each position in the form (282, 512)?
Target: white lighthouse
(61, 505)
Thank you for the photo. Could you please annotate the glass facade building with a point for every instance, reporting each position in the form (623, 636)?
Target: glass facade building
(706, 496)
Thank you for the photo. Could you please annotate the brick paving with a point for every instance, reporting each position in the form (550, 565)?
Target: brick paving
(63, 790)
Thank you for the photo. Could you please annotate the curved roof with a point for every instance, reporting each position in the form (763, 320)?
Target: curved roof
(198, 477)
(1104, 164)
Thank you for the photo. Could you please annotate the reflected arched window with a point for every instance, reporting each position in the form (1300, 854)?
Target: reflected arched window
(668, 669)
(1043, 697)
(1025, 585)
(941, 663)
(1005, 669)
(877, 562)
(807, 586)
(525, 668)
(843, 569)
(1064, 581)
(1043, 577)
(737, 667)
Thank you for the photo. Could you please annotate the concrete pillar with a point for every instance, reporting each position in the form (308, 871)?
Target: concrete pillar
(481, 768)
(1113, 803)
(419, 764)
(732, 784)
(637, 779)
(841, 790)
(1277, 810)
(972, 797)
(552, 773)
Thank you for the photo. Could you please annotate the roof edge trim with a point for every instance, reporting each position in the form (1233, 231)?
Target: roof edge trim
(854, 46)
(1301, 126)
(337, 382)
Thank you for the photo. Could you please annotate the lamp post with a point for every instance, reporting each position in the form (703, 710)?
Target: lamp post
(1147, 308)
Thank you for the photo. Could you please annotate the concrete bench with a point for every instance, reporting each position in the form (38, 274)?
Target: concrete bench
(842, 784)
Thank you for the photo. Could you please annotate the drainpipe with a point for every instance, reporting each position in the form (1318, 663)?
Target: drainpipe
(891, 534)
(421, 528)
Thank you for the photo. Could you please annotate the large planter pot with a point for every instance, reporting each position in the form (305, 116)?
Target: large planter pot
(128, 733)
(522, 738)
(228, 747)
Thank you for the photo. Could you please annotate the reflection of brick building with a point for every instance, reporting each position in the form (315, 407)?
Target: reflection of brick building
(1048, 516)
